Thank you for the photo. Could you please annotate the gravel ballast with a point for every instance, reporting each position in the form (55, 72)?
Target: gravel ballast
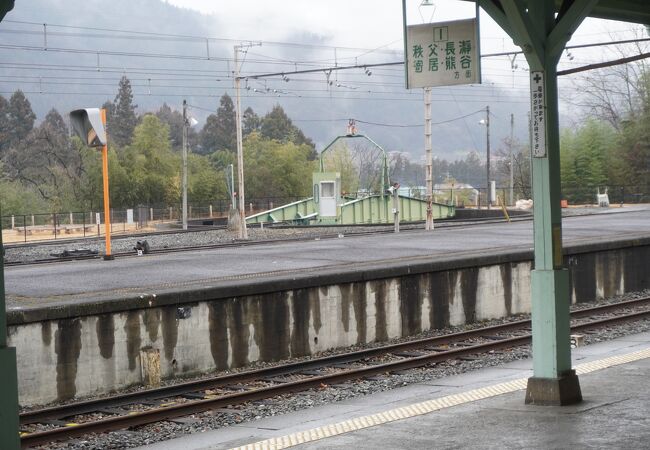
(329, 394)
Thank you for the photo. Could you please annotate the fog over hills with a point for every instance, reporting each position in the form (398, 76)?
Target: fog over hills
(63, 66)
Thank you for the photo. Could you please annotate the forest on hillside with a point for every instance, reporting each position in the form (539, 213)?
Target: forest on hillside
(45, 170)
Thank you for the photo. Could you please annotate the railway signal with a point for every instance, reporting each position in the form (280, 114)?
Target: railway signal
(90, 125)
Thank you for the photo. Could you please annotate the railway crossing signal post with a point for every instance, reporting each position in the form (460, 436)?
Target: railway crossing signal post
(90, 125)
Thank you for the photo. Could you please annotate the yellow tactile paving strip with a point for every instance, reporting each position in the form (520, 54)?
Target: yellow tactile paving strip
(418, 409)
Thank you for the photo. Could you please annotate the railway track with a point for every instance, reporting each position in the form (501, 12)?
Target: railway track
(169, 402)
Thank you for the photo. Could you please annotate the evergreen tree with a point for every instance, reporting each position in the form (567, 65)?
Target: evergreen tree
(20, 117)
(251, 121)
(174, 120)
(584, 158)
(219, 132)
(56, 123)
(122, 115)
(277, 125)
(4, 125)
(110, 112)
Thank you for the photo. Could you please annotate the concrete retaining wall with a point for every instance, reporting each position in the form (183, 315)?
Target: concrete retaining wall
(64, 357)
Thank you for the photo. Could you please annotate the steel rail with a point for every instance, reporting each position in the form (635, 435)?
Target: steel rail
(158, 414)
(198, 385)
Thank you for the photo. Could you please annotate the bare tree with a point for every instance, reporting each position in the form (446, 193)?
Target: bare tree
(617, 93)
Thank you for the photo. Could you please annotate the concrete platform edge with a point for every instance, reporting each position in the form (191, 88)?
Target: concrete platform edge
(149, 297)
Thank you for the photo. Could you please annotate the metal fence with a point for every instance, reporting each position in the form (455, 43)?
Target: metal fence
(46, 226)
(43, 226)
(574, 195)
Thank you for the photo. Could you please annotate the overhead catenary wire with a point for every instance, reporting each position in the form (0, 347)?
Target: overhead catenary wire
(145, 34)
(215, 74)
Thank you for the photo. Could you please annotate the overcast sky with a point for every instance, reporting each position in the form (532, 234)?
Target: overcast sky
(359, 23)
(320, 34)
(375, 24)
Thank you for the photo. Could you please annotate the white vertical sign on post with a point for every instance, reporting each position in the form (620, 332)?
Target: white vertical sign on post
(442, 54)
(537, 114)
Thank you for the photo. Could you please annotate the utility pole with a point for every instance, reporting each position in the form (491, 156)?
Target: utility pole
(512, 161)
(231, 185)
(185, 126)
(243, 233)
(395, 192)
(429, 153)
(487, 128)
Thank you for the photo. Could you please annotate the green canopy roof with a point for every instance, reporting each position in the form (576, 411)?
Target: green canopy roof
(636, 11)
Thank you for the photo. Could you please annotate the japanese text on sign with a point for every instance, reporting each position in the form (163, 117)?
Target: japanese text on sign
(442, 54)
(537, 114)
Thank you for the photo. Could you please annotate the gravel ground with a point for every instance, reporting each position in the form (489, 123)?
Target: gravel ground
(119, 244)
(329, 394)
(125, 243)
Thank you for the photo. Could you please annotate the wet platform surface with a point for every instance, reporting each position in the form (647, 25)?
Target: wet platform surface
(614, 413)
(72, 283)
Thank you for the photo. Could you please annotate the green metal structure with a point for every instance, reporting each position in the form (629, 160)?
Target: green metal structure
(542, 29)
(329, 207)
(300, 212)
(372, 210)
(384, 162)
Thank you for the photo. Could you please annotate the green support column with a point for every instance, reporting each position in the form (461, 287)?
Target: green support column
(9, 437)
(549, 280)
(542, 36)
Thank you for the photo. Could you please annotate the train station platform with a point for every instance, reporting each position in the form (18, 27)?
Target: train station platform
(483, 409)
(86, 323)
(54, 291)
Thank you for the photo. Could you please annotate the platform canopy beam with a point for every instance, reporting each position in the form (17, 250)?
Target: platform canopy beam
(542, 29)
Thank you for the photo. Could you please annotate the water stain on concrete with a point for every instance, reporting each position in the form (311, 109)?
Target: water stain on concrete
(67, 346)
(345, 306)
(583, 277)
(218, 331)
(314, 306)
(300, 312)
(353, 297)
(469, 286)
(239, 320)
(270, 314)
(133, 339)
(635, 263)
(360, 303)
(169, 331)
(410, 305)
(608, 272)
(324, 291)
(381, 324)
(46, 332)
(506, 281)
(151, 319)
(443, 291)
(105, 328)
